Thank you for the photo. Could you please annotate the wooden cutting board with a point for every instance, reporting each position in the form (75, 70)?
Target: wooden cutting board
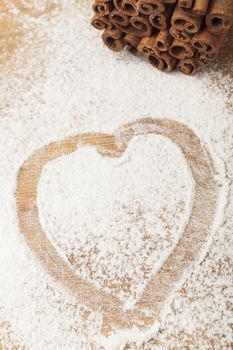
(185, 252)
(11, 35)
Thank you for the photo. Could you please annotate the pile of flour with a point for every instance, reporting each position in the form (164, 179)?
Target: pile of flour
(59, 81)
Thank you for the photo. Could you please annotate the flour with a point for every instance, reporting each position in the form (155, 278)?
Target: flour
(58, 80)
(109, 217)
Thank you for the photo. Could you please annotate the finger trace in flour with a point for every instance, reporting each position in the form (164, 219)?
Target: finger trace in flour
(52, 87)
(116, 220)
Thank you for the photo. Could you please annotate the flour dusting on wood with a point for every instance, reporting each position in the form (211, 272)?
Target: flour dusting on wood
(53, 85)
(116, 220)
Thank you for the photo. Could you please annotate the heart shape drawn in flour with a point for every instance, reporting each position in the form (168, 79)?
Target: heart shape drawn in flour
(195, 233)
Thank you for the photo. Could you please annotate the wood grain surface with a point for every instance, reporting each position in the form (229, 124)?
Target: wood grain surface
(11, 38)
(185, 252)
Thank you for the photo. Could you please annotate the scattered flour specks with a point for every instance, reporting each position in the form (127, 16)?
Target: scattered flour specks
(57, 80)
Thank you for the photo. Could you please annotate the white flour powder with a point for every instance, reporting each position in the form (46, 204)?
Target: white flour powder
(59, 81)
(119, 218)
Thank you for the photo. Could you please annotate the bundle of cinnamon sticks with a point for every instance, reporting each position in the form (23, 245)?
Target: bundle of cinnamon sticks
(171, 34)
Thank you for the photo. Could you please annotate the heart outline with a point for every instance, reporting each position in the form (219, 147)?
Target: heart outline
(185, 251)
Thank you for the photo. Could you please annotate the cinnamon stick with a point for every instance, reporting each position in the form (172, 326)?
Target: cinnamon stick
(180, 34)
(185, 3)
(147, 46)
(163, 41)
(132, 43)
(182, 21)
(147, 7)
(102, 7)
(219, 17)
(162, 61)
(128, 7)
(119, 19)
(189, 66)
(204, 41)
(205, 58)
(162, 20)
(113, 39)
(136, 25)
(101, 22)
(141, 26)
(200, 7)
(181, 50)
(194, 8)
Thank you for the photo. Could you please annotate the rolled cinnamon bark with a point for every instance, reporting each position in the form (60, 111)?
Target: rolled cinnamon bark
(101, 22)
(204, 41)
(137, 25)
(181, 50)
(102, 7)
(114, 39)
(163, 41)
(180, 34)
(189, 66)
(194, 8)
(128, 7)
(205, 58)
(141, 26)
(200, 7)
(219, 17)
(185, 3)
(119, 19)
(182, 21)
(147, 46)
(162, 61)
(162, 21)
(147, 7)
(132, 43)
